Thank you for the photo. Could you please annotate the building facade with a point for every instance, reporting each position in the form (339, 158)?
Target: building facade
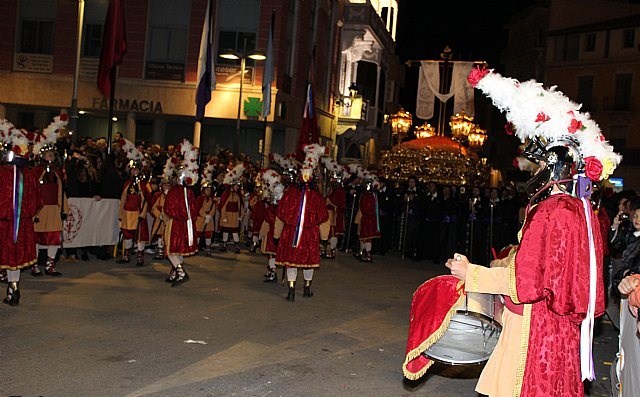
(155, 91)
(592, 53)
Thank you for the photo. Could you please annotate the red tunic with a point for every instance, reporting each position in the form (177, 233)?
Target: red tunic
(176, 234)
(552, 274)
(133, 211)
(268, 247)
(205, 206)
(230, 211)
(336, 204)
(257, 216)
(367, 218)
(22, 253)
(307, 253)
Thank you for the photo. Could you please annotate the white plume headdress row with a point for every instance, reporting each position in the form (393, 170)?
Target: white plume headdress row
(18, 140)
(234, 175)
(188, 174)
(536, 112)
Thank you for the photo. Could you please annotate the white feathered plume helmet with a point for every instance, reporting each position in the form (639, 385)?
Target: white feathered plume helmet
(269, 179)
(549, 116)
(47, 139)
(371, 180)
(356, 169)
(234, 176)
(207, 174)
(188, 173)
(312, 154)
(336, 171)
(169, 170)
(132, 153)
(283, 162)
(14, 141)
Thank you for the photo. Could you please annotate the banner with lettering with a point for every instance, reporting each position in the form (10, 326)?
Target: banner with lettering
(91, 222)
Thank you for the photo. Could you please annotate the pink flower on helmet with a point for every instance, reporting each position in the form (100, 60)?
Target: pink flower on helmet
(542, 117)
(593, 168)
(476, 75)
(574, 126)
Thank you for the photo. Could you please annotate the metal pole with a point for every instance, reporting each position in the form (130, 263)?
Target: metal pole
(73, 122)
(243, 58)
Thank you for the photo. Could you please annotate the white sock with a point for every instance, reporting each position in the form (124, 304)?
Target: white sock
(140, 246)
(361, 245)
(333, 242)
(225, 237)
(307, 274)
(236, 237)
(128, 244)
(254, 239)
(52, 250)
(272, 263)
(13, 276)
(367, 246)
(160, 242)
(175, 260)
(207, 241)
(292, 274)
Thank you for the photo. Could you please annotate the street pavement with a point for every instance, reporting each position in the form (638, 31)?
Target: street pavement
(107, 329)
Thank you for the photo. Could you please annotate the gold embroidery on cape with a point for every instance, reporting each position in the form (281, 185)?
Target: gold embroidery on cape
(524, 348)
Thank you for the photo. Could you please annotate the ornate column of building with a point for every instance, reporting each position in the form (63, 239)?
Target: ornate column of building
(131, 126)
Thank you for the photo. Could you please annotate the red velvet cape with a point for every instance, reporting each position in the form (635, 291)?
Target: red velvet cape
(176, 232)
(368, 227)
(338, 201)
(307, 253)
(22, 253)
(551, 273)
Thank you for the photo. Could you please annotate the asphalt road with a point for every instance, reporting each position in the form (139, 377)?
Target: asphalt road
(105, 329)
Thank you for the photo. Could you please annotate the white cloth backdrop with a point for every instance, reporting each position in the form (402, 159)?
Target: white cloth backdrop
(429, 89)
(91, 222)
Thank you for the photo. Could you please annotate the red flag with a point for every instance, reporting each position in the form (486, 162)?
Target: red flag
(309, 132)
(114, 45)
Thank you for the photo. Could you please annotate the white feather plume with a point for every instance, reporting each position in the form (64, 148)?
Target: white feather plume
(536, 111)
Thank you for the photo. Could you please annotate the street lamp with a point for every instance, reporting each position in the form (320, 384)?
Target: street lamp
(242, 56)
(400, 123)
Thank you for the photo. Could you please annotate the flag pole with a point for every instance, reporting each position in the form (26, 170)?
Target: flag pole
(112, 100)
(267, 74)
(73, 122)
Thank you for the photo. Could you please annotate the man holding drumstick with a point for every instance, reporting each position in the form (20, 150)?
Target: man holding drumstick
(552, 282)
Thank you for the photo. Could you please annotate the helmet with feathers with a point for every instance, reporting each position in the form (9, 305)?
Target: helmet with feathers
(567, 144)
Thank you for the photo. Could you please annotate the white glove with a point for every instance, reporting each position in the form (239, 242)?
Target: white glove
(207, 218)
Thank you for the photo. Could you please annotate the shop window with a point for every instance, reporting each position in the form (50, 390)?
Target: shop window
(37, 25)
(167, 45)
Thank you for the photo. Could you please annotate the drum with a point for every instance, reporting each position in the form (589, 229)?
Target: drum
(472, 333)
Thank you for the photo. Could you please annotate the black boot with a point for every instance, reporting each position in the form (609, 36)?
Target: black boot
(35, 270)
(13, 294)
(159, 253)
(306, 293)
(125, 257)
(270, 276)
(140, 258)
(291, 295)
(172, 275)
(181, 276)
(366, 257)
(50, 268)
(3, 276)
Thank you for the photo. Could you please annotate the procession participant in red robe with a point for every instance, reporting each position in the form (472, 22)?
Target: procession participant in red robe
(205, 208)
(20, 200)
(553, 284)
(257, 207)
(367, 218)
(157, 205)
(336, 204)
(272, 192)
(48, 220)
(302, 222)
(180, 212)
(230, 208)
(134, 204)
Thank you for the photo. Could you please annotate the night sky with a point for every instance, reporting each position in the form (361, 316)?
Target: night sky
(475, 30)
